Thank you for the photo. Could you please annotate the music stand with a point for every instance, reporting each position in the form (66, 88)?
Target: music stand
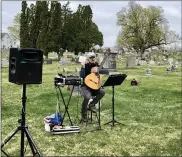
(114, 80)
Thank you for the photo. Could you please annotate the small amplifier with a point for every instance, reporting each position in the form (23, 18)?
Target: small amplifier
(68, 80)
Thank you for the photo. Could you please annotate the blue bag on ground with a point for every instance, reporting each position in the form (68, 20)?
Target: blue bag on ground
(55, 118)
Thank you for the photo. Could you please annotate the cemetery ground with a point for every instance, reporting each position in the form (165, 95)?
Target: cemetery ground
(150, 112)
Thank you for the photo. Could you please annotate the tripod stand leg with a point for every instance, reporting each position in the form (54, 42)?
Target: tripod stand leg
(22, 142)
(4, 152)
(113, 122)
(9, 137)
(32, 144)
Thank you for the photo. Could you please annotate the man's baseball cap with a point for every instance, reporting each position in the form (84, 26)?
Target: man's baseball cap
(91, 54)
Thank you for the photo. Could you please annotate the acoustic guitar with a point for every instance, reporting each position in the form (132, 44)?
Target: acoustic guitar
(92, 80)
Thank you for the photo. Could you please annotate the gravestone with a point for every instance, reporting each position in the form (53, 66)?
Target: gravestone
(151, 62)
(110, 63)
(154, 58)
(142, 62)
(76, 90)
(137, 61)
(148, 72)
(48, 61)
(131, 61)
(170, 61)
(77, 70)
(100, 58)
(64, 60)
(4, 63)
(82, 59)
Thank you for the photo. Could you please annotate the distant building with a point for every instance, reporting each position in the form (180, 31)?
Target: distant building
(7, 42)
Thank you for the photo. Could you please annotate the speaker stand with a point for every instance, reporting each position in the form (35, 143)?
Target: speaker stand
(24, 131)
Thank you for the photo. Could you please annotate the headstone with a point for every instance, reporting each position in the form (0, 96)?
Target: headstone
(151, 62)
(79, 53)
(48, 61)
(137, 61)
(4, 63)
(82, 59)
(142, 62)
(170, 61)
(148, 72)
(64, 60)
(131, 61)
(100, 58)
(76, 90)
(155, 58)
(172, 68)
(77, 69)
(110, 62)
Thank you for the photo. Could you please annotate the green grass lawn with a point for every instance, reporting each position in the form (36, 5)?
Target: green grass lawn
(150, 112)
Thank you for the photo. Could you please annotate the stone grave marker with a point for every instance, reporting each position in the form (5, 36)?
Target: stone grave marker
(131, 61)
(4, 63)
(64, 60)
(170, 61)
(110, 62)
(76, 90)
(82, 59)
(148, 72)
(151, 62)
(77, 70)
(142, 62)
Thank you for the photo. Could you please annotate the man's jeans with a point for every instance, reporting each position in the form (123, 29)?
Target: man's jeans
(87, 95)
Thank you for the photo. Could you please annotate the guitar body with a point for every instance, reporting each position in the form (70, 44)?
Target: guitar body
(92, 81)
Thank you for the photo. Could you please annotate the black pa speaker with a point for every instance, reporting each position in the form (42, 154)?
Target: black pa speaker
(25, 66)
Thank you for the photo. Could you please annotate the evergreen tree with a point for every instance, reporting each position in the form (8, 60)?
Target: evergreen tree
(24, 33)
(86, 33)
(96, 35)
(44, 38)
(87, 21)
(56, 26)
(35, 22)
(66, 17)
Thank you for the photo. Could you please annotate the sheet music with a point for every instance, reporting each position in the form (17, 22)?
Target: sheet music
(114, 73)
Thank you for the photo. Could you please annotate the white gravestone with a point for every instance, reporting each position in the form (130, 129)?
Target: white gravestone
(151, 62)
(142, 62)
(131, 61)
(82, 59)
(4, 63)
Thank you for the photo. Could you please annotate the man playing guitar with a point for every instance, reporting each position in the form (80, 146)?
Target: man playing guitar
(90, 66)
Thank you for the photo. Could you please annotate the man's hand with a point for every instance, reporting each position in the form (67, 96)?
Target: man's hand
(94, 70)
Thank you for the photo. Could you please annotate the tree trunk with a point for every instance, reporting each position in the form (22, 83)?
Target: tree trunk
(142, 50)
(46, 56)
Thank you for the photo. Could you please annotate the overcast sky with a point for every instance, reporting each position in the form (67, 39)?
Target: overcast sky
(104, 15)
